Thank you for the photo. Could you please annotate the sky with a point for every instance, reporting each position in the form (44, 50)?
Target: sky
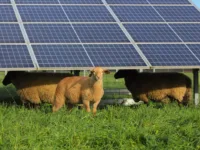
(197, 3)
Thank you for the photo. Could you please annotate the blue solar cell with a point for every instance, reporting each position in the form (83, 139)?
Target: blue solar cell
(36, 1)
(169, 1)
(15, 56)
(195, 48)
(88, 14)
(7, 14)
(61, 56)
(10, 33)
(81, 1)
(187, 32)
(89, 33)
(114, 55)
(179, 13)
(169, 55)
(136, 14)
(151, 33)
(42, 14)
(4, 1)
(127, 2)
(51, 33)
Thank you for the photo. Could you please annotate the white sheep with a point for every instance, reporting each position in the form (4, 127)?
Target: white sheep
(34, 87)
(73, 90)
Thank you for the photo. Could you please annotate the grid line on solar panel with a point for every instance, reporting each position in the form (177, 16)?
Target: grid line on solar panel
(151, 33)
(141, 14)
(114, 55)
(179, 13)
(4, 1)
(46, 13)
(42, 14)
(36, 1)
(169, 1)
(127, 2)
(81, 2)
(88, 14)
(145, 2)
(89, 33)
(61, 56)
(187, 32)
(15, 56)
(10, 33)
(169, 55)
(57, 1)
(195, 48)
(51, 33)
(7, 14)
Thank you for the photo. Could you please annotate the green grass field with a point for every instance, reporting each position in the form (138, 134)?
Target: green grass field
(154, 127)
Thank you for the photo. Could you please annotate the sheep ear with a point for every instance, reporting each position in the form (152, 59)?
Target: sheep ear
(91, 73)
(106, 71)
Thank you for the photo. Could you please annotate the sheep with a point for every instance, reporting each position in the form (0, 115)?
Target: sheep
(73, 90)
(156, 86)
(34, 87)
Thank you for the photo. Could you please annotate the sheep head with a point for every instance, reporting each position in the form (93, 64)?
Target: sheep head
(11, 75)
(97, 73)
(124, 73)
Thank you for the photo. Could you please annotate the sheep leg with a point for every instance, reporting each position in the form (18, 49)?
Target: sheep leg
(58, 103)
(144, 98)
(86, 104)
(95, 107)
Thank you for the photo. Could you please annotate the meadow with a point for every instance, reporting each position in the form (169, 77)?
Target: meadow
(156, 126)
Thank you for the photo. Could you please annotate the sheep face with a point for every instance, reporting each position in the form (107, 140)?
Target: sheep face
(124, 73)
(97, 73)
(11, 75)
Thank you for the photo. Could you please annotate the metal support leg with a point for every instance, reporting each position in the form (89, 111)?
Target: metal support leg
(196, 86)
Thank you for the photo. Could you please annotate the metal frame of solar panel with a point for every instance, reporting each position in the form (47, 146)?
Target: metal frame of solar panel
(116, 34)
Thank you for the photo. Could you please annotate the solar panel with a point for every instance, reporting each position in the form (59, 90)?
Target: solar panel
(4, 1)
(10, 33)
(141, 14)
(169, 55)
(43, 13)
(145, 1)
(36, 1)
(179, 13)
(151, 33)
(195, 49)
(116, 55)
(94, 33)
(127, 2)
(61, 56)
(15, 56)
(57, 1)
(51, 33)
(169, 1)
(81, 1)
(88, 14)
(7, 14)
(187, 32)
(83, 33)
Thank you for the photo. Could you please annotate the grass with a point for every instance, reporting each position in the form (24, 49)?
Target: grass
(155, 126)
(166, 127)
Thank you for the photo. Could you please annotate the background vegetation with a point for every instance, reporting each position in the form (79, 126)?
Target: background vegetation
(155, 126)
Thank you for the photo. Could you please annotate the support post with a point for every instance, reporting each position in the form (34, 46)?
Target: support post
(196, 86)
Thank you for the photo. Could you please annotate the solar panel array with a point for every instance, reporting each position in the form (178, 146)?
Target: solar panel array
(79, 34)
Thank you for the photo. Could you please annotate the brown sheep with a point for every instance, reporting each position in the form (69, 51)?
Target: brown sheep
(73, 90)
(156, 86)
(34, 87)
